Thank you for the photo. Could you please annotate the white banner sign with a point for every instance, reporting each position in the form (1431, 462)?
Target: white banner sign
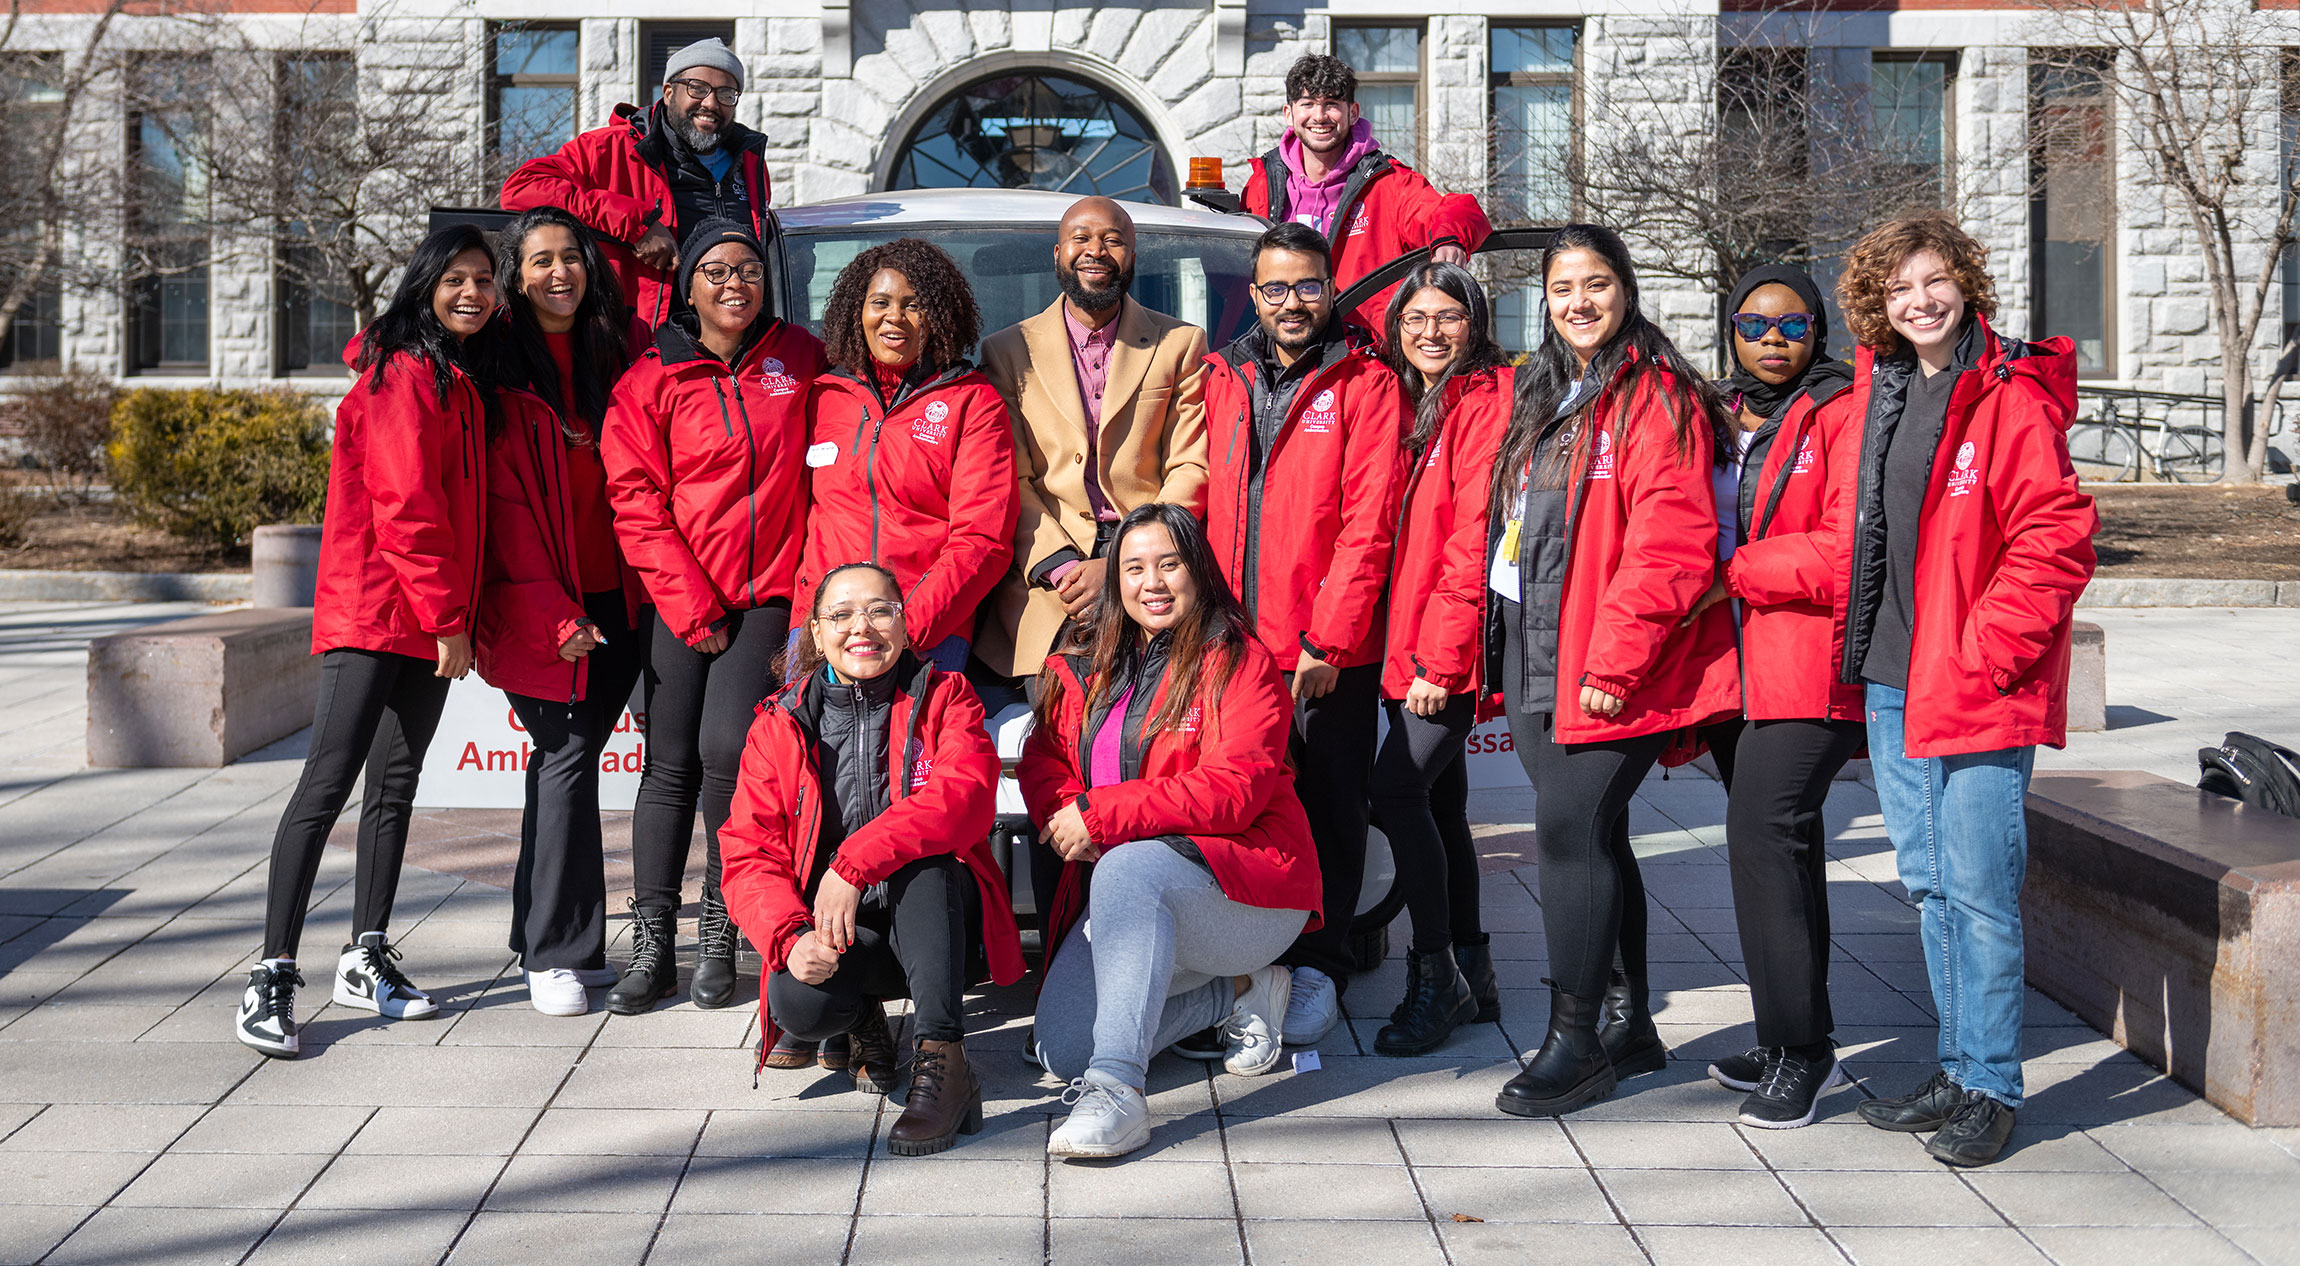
(478, 759)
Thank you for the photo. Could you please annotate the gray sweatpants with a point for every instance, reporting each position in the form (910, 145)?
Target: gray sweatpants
(1152, 964)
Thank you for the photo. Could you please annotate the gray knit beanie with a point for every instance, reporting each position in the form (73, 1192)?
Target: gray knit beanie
(712, 52)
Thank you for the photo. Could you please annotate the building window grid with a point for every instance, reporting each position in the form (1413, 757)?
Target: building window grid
(168, 316)
(315, 319)
(1534, 101)
(1912, 118)
(658, 40)
(2072, 207)
(35, 337)
(1391, 61)
(533, 82)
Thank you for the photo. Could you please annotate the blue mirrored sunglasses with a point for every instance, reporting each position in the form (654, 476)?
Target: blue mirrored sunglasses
(1795, 326)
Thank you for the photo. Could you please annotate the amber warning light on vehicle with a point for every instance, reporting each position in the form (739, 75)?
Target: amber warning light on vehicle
(1205, 173)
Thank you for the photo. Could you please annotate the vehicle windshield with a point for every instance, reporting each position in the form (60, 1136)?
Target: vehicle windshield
(1200, 278)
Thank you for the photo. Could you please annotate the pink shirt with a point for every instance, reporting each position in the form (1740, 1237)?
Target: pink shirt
(1090, 357)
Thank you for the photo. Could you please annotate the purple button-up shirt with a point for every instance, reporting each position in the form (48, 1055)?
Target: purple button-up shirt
(1090, 357)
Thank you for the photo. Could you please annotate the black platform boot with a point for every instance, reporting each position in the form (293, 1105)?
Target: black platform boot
(1570, 1070)
(653, 974)
(1475, 959)
(1437, 1000)
(714, 983)
(1632, 1044)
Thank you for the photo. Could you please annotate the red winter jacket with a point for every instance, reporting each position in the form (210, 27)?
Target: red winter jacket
(530, 597)
(942, 778)
(1438, 588)
(1790, 574)
(611, 178)
(1306, 541)
(926, 489)
(2004, 546)
(1219, 777)
(1642, 536)
(703, 468)
(1389, 210)
(402, 538)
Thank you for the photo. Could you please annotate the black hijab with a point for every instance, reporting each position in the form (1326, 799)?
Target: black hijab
(1823, 376)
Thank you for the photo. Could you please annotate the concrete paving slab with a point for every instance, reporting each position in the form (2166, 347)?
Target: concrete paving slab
(382, 1183)
(1291, 1243)
(732, 1237)
(29, 1231)
(1326, 1192)
(163, 1237)
(1087, 1189)
(1921, 1198)
(1513, 1194)
(975, 1241)
(75, 1127)
(1936, 1246)
(1738, 1246)
(1700, 1197)
(520, 1239)
(310, 1236)
(1147, 1242)
(1514, 1243)
(811, 1185)
(2079, 1199)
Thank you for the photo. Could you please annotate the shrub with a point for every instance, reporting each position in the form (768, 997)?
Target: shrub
(67, 423)
(15, 516)
(210, 465)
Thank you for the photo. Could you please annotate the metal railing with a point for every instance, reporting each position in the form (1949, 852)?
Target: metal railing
(2123, 435)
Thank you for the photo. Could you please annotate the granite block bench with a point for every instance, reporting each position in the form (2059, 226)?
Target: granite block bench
(202, 691)
(2169, 919)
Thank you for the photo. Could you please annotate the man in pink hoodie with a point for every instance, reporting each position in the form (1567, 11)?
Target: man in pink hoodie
(1330, 173)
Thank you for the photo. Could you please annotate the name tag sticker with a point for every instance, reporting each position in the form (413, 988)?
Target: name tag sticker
(822, 454)
(1306, 1061)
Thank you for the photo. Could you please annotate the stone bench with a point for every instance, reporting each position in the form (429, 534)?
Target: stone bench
(202, 691)
(2088, 678)
(2169, 919)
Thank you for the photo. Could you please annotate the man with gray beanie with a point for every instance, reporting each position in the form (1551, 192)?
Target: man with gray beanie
(647, 179)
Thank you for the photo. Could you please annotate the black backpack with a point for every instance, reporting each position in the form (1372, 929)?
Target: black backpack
(2249, 768)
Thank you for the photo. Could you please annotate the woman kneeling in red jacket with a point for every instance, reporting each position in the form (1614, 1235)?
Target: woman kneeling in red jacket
(858, 854)
(1971, 542)
(1158, 771)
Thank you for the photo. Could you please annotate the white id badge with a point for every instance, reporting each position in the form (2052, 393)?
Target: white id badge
(822, 454)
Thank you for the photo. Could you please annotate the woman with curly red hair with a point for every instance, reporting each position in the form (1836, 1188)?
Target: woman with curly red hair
(911, 455)
(1970, 544)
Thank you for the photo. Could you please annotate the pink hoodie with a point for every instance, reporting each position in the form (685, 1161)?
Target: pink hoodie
(1313, 203)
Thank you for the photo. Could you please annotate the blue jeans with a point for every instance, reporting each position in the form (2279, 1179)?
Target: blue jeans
(1960, 837)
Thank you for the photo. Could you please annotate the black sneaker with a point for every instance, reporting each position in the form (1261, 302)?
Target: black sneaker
(1790, 1094)
(1928, 1107)
(1975, 1134)
(1742, 1072)
(1207, 1046)
(267, 1010)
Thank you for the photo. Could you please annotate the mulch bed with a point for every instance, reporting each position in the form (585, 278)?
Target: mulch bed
(97, 537)
(2196, 533)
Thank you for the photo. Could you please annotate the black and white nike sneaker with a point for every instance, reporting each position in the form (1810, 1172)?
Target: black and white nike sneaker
(367, 978)
(267, 1009)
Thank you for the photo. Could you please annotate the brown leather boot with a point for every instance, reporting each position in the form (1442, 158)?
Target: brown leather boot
(872, 1058)
(945, 1101)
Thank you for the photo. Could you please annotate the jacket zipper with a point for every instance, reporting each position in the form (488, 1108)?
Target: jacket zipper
(870, 475)
(750, 482)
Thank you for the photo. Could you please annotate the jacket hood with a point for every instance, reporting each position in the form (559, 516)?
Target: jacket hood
(848, 380)
(655, 140)
(2049, 364)
(679, 341)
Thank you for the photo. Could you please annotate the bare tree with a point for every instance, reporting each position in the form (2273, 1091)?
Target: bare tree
(2199, 87)
(52, 202)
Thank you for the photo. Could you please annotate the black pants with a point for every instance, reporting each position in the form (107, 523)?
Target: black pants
(1777, 777)
(1333, 751)
(1421, 791)
(1592, 894)
(376, 711)
(699, 711)
(559, 891)
(919, 945)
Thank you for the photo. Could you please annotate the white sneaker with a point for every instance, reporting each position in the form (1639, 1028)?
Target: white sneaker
(597, 977)
(1107, 1118)
(366, 978)
(1254, 1034)
(558, 991)
(267, 1009)
(1314, 1009)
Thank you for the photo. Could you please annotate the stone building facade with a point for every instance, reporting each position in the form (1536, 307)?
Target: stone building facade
(841, 86)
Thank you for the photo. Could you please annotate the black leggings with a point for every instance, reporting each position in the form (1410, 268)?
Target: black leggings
(699, 710)
(1777, 777)
(1333, 751)
(919, 945)
(1421, 792)
(559, 891)
(1592, 894)
(376, 711)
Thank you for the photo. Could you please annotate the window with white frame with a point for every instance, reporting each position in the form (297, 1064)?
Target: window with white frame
(1388, 60)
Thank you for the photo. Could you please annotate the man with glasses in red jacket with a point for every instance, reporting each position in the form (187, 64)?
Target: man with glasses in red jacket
(643, 182)
(1306, 475)
(1330, 173)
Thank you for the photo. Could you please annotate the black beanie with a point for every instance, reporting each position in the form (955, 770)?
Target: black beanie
(707, 235)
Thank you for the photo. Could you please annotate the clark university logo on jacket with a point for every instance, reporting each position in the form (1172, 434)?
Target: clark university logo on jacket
(1806, 456)
(921, 765)
(1964, 478)
(932, 425)
(1323, 415)
(776, 377)
(1601, 455)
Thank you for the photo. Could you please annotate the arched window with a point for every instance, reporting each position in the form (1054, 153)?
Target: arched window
(1036, 130)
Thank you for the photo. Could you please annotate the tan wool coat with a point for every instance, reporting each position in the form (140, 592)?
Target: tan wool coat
(1151, 447)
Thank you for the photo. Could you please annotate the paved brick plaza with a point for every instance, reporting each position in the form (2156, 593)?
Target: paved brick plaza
(134, 1130)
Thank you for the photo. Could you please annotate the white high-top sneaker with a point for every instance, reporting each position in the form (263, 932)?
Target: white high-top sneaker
(367, 978)
(267, 1009)
(1107, 1118)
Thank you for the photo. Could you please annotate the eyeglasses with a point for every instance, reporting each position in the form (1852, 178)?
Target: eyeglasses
(697, 90)
(719, 274)
(881, 615)
(1310, 289)
(1444, 322)
(1794, 326)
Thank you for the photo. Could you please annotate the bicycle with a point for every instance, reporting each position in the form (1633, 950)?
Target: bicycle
(2109, 449)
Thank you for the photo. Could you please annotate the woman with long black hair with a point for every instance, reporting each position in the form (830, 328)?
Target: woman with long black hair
(1783, 501)
(558, 615)
(391, 622)
(1605, 536)
(1439, 341)
(704, 444)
